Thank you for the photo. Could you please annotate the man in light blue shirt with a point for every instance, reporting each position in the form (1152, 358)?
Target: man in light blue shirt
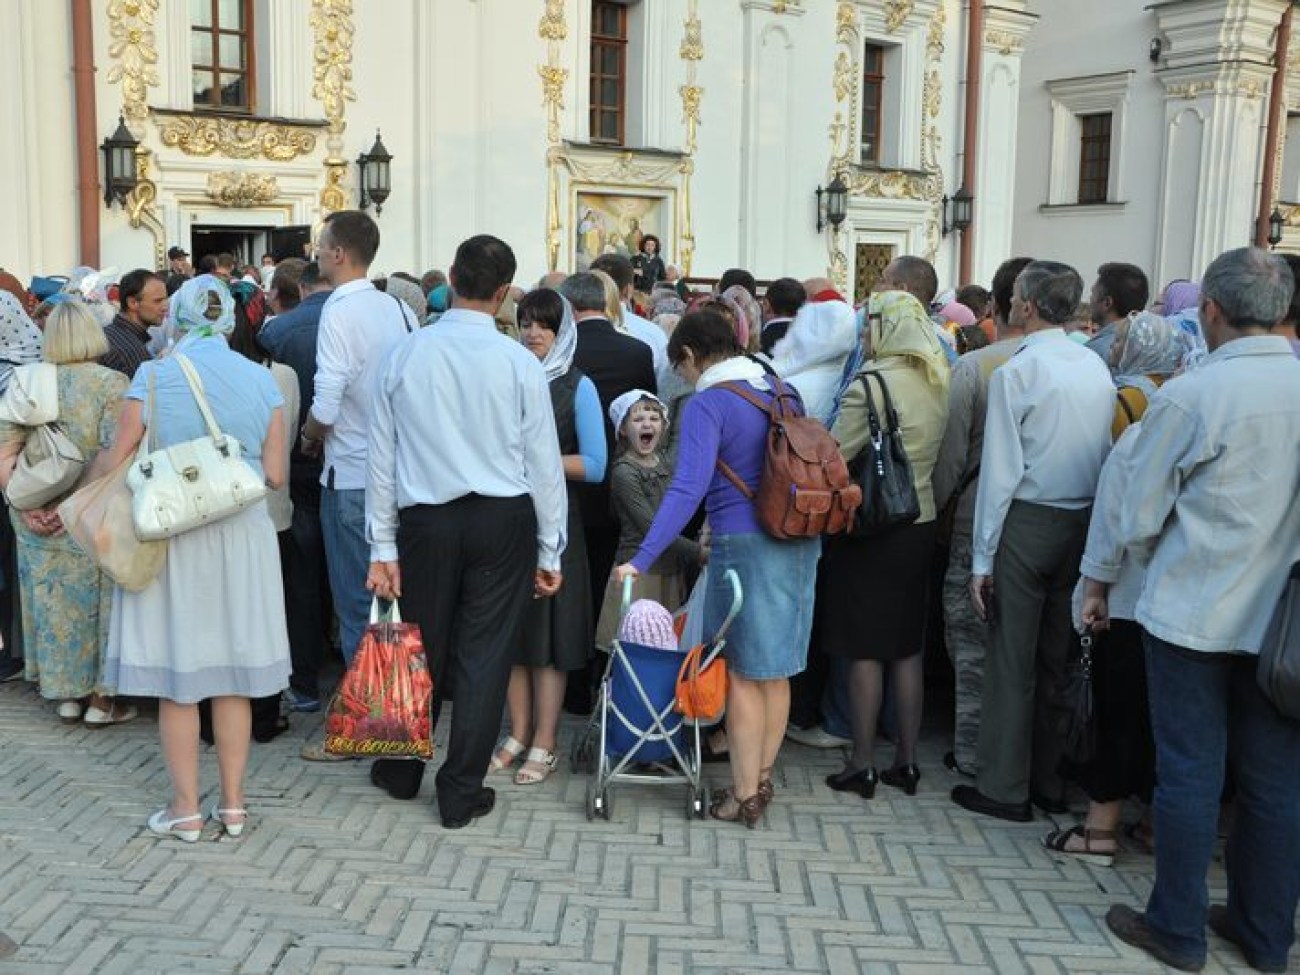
(1214, 476)
(465, 513)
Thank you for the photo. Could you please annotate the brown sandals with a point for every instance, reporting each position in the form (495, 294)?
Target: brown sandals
(1058, 841)
(747, 811)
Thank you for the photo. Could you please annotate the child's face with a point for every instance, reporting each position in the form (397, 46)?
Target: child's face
(643, 428)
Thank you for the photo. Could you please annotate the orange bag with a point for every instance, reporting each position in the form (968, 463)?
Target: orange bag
(381, 707)
(701, 692)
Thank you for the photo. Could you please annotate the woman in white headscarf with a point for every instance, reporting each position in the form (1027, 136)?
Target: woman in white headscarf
(558, 632)
(812, 354)
(212, 625)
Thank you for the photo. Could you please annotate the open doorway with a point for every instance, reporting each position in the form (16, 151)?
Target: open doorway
(248, 244)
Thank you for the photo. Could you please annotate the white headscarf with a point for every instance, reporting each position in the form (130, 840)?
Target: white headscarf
(822, 333)
(559, 360)
(619, 409)
(20, 340)
(1153, 346)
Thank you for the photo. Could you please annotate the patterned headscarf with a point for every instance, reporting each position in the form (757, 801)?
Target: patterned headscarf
(1152, 346)
(15, 287)
(20, 339)
(749, 319)
(203, 307)
(901, 327)
(410, 294)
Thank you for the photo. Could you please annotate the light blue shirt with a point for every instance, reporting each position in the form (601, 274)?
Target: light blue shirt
(241, 394)
(460, 409)
(1212, 487)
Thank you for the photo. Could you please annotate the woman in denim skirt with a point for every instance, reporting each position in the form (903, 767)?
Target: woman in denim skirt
(768, 642)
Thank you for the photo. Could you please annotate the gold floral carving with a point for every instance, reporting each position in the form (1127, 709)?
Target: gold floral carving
(846, 21)
(1189, 90)
(235, 189)
(554, 29)
(140, 206)
(332, 32)
(622, 167)
(845, 77)
(693, 38)
(1005, 42)
(553, 26)
(236, 138)
(134, 51)
(896, 13)
(692, 94)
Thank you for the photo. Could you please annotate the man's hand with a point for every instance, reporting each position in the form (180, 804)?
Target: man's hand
(1096, 604)
(311, 448)
(546, 582)
(981, 588)
(385, 579)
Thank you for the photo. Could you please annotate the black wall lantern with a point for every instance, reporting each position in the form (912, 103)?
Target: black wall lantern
(376, 175)
(958, 210)
(832, 203)
(120, 175)
(1275, 224)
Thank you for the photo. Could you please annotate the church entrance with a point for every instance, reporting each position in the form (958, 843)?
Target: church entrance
(248, 244)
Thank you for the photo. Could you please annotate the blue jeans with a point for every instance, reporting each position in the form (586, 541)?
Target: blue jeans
(1206, 711)
(347, 556)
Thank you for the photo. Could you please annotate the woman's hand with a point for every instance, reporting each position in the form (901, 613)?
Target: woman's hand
(42, 521)
(625, 571)
(1095, 611)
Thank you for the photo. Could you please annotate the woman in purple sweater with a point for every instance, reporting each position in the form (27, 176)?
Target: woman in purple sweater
(768, 642)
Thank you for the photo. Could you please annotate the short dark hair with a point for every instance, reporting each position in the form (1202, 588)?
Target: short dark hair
(433, 279)
(355, 232)
(975, 297)
(541, 306)
(131, 284)
(311, 275)
(207, 264)
(617, 267)
(659, 247)
(785, 296)
(1126, 286)
(285, 281)
(226, 260)
(709, 336)
(918, 276)
(1293, 311)
(734, 276)
(483, 265)
(1004, 285)
(1054, 289)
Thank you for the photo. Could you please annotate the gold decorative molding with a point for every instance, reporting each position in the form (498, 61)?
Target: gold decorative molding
(896, 14)
(889, 184)
(134, 51)
(621, 167)
(140, 209)
(1190, 90)
(333, 32)
(692, 37)
(1004, 41)
(554, 30)
(692, 94)
(209, 135)
(235, 189)
(932, 141)
(553, 26)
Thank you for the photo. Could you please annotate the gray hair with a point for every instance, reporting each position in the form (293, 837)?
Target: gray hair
(1251, 285)
(585, 291)
(1053, 288)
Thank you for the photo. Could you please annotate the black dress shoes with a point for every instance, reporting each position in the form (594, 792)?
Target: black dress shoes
(862, 781)
(969, 797)
(1220, 923)
(399, 777)
(1131, 927)
(487, 798)
(903, 777)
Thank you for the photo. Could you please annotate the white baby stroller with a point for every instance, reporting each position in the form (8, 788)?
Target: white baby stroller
(635, 734)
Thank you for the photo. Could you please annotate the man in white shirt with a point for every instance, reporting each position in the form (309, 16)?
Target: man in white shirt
(1214, 476)
(466, 511)
(358, 326)
(1046, 436)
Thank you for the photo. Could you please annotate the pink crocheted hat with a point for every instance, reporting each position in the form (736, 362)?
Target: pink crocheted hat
(648, 624)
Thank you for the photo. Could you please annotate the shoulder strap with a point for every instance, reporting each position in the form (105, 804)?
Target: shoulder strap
(873, 418)
(403, 309)
(196, 387)
(146, 442)
(748, 395)
(891, 415)
(724, 469)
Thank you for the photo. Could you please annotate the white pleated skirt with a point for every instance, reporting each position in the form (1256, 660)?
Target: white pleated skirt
(212, 624)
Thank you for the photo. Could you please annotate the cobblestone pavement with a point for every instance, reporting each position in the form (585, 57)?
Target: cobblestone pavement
(334, 877)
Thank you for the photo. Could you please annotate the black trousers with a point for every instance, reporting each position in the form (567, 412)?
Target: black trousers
(467, 580)
(307, 603)
(602, 545)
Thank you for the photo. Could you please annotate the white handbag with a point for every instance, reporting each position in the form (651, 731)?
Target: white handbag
(177, 488)
(32, 396)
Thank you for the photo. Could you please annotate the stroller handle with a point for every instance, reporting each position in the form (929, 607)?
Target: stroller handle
(626, 602)
(737, 600)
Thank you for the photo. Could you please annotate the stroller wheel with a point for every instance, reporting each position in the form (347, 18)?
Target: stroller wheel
(591, 801)
(603, 806)
(698, 804)
(581, 756)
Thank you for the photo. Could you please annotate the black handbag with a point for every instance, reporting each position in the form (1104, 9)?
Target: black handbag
(1278, 670)
(883, 471)
(1077, 712)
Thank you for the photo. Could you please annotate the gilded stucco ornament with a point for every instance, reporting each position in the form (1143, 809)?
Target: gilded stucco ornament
(134, 51)
(896, 13)
(692, 94)
(140, 208)
(235, 138)
(236, 189)
(332, 32)
(554, 30)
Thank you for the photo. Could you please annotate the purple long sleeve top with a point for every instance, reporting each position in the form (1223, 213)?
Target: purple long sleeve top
(715, 424)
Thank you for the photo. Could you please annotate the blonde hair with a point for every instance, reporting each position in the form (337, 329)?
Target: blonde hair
(613, 300)
(73, 334)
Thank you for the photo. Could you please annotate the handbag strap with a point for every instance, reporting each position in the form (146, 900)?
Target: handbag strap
(891, 415)
(196, 387)
(146, 442)
(873, 418)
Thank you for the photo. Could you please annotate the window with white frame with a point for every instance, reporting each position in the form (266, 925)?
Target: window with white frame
(1088, 139)
(881, 95)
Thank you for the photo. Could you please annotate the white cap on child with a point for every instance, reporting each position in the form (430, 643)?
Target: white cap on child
(620, 407)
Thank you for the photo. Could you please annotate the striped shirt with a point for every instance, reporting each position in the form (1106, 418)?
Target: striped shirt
(128, 346)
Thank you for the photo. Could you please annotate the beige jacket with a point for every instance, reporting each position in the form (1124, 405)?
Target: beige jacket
(922, 412)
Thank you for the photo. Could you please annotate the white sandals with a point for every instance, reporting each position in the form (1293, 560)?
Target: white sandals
(538, 765)
(218, 816)
(160, 825)
(510, 746)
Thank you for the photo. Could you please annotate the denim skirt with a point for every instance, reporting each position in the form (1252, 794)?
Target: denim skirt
(769, 639)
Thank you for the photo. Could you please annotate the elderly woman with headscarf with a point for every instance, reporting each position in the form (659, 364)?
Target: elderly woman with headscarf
(557, 636)
(877, 590)
(1147, 350)
(212, 625)
(65, 598)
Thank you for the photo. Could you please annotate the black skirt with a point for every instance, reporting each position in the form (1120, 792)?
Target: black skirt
(1125, 761)
(557, 632)
(875, 594)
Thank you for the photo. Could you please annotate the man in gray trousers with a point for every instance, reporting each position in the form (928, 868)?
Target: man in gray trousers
(1046, 437)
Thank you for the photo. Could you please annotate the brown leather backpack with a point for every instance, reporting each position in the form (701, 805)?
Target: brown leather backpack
(805, 490)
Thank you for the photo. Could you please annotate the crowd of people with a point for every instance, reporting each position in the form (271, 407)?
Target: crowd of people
(1114, 469)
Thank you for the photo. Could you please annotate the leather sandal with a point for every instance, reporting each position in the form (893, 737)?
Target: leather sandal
(538, 765)
(766, 789)
(1058, 841)
(747, 811)
(510, 747)
(218, 816)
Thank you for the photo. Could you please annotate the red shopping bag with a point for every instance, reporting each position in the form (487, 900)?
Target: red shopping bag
(381, 707)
